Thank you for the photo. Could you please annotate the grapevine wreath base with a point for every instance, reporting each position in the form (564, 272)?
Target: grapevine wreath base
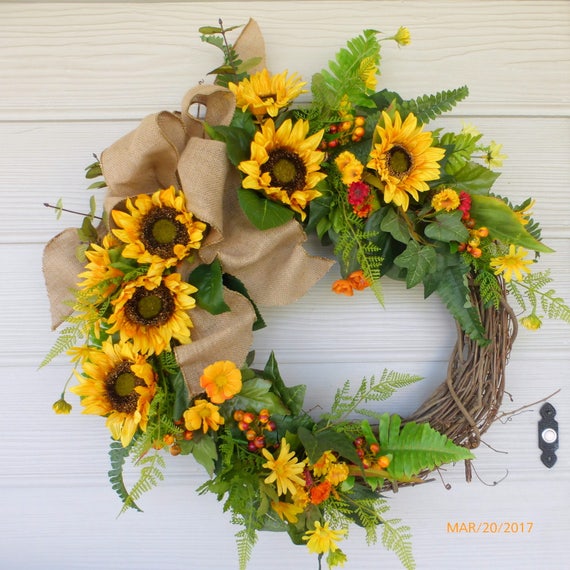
(194, 238)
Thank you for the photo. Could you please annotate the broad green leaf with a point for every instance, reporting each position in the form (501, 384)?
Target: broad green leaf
(416, 447)
(474, 178)
(233, 283)
(447, 227)
(210, 294)
(294, 396)
(317, 443)
(237, 140)
(87, 233)
(248, 64)
(255, 395)
(263, 213)
(503, 223)
(181, 397)
(395, 225)
(205, 452)
(418, 260)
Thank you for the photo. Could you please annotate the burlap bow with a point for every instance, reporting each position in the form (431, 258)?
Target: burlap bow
(171, 149)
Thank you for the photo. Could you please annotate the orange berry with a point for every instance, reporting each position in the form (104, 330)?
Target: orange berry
(259, 442)
(250, 434)
(470, 223)
(346, 125)
(359, 132)
(248, 417)
(175, 449)
(271, 426)
(483, 232)
(238, 415)
(168, 439)
(374, 448)
(243, 426)
(474, 241)
(333, 143)
(383, 462)
(461, 247)
(476, 252)
(188, 435)
(359, 121)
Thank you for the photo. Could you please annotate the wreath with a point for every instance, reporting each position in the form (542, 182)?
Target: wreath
(205, 214)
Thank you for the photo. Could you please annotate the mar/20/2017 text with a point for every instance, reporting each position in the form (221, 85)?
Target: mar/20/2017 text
(489, 527)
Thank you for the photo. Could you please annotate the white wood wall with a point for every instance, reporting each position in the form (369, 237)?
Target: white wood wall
(74, 77)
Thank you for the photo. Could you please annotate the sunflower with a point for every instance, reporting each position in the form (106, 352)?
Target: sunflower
(99, 274)
(119, 383)
(285, 469)
(513, 262)
(152, 311)
(158, 229)
(404, 159)
(264, 94)
(285, 164)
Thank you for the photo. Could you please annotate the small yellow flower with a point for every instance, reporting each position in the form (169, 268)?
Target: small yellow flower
(349, 166)
(513, 262)
(61, 406)
(493, 157)
(204, 415)
(524, 213)
(322, 465)
(323, 539)
(403, 36)
(447, 200)
(531, 322)
(337, 473)
(221, 380)
(285, 469)
(470, 129)
(287, 510)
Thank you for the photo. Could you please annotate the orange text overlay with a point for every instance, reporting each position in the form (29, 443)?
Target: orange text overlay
(489, 527)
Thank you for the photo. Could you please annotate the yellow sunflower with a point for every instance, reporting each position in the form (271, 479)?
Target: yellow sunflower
(98, 272)
(152, 311)
(404, 159)
(513, 262)
(158, 229)
(285, 164)
(119, 383)
(285, 469)
(264, 94)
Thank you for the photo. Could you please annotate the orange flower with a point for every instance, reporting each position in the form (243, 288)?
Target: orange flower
(221, 380)
(320, 492)
(358, 281)
(342, 287)
(202, 415)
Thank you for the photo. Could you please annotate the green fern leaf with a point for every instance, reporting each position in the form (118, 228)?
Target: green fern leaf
(397, 537)
(67, 338)
(416, 447)
(429, 107)
(118, 455)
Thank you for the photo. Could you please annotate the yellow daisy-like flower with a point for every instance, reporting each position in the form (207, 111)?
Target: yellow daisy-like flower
(531, 322)
(404, 159)
(494, 158)
(287, 511)
(349, 166)
(203, 415)
(98, 272)
(221, 380)
(470, 129)
(524, 214)
(285, 164)
(152, 311)
(322, 465)
(513, 262)
(323, 539)
(285, 469)
(337, 473)
(119, 383)
(264, 94)
(403, 36)
(158, 229)
(447, 199)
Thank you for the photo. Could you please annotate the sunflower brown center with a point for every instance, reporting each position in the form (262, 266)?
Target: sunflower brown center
(120, 385)
(287, 170)
(151, 308)
(161, 231)
(399, 161)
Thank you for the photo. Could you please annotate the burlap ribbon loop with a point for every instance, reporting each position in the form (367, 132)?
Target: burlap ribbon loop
(171, 149)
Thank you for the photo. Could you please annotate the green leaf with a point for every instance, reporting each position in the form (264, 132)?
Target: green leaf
(474, 178)
(294, 396)
(416, 447)
(237, 140)
(395, 225)
(205, 452)
(263, 213)
(210, 294)
(255, 395)
(418, 260)
(87, 233)
(248, 64)
(453, 290)
(118, 455)
(181, 396)
(503, 223)
(233, 283)
(429, 107)
(317, 443)
(447, 227)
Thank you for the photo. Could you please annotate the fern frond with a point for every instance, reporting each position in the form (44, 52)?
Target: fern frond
(118, 455)
(68, 338)
(150, 476)
(397, 537)
(489, 288)
(429, 107)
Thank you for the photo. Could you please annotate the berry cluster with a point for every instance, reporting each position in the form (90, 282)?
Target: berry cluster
(254, 427)
(341, 133)
(475, 236)
(370, 454)
(171, 440)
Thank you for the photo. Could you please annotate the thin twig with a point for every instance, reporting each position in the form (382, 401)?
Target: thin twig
(518, 410)
(72, 211)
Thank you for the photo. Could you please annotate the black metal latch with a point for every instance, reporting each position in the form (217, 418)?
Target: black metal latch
(548, 435)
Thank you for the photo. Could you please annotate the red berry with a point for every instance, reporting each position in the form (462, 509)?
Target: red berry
(259, 442)
(251, 446)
